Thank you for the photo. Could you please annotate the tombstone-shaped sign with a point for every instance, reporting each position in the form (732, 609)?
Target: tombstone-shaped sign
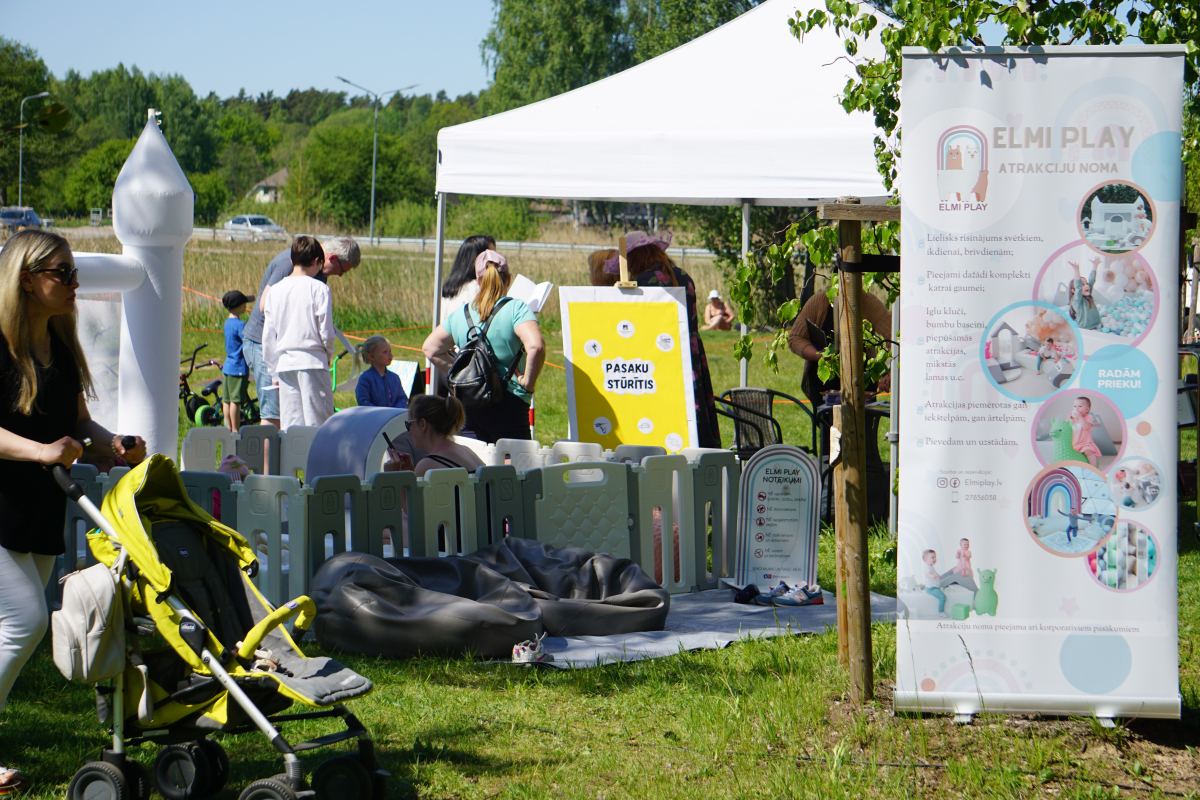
(778, 521)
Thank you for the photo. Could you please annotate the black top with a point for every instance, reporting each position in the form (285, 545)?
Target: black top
(33, 509)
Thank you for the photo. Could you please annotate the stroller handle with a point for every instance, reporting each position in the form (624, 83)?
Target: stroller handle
(66, 483)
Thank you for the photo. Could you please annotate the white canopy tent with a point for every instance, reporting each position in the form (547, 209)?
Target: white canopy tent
(744, 115)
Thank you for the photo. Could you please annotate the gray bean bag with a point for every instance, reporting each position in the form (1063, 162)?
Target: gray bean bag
(580, 593)
(407, 606)
(483, 603)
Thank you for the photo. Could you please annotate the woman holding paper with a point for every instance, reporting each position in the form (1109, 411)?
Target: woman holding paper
(650, 266)
(513, 328)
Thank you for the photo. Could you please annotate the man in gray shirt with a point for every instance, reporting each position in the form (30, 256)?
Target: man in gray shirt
(341, 256)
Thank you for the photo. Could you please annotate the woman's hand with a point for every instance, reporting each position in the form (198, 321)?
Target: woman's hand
(398, 462)
(131, 455)
(64, 452)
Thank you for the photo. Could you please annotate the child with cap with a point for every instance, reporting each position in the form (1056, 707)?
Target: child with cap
(234, 391)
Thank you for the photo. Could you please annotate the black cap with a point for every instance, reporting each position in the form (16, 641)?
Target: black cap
(234, 298)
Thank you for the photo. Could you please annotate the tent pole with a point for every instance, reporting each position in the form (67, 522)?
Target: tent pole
(438, 257)
(745, 365)
(893, 435)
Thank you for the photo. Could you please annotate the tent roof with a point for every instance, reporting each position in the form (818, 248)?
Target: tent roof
(745, 112)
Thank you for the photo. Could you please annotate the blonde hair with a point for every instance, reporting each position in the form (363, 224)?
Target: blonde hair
(445, 415)
(369, 347)
(596, 268)
(492, 286)
(29, 250)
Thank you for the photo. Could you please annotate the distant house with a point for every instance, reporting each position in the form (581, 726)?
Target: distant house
(270, 188)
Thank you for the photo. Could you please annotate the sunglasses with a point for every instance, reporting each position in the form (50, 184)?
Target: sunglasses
(65, 274)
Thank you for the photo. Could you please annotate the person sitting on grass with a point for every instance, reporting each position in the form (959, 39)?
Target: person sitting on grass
(235, 386)
(378, 386)
(717, 315)
(433, 422)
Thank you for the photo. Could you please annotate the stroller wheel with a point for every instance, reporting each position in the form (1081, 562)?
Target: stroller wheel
(268, 789)
(342, 778)
(138, 780)
(98, 780)
(182, 771)
(219, 761)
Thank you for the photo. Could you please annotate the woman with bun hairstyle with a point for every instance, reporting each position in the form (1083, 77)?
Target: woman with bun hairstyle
(44, 421)
(513, 328)
(432, 422)
(649, 265)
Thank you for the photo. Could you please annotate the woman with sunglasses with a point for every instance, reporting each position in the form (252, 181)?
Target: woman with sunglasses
(44, 419)
(432, 422)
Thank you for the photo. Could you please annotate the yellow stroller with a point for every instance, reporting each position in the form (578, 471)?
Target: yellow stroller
(229, 665)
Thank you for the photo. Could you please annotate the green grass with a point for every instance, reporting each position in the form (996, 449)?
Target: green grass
(762, 719)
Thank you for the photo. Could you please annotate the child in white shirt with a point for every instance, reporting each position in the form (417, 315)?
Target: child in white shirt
(299, 339)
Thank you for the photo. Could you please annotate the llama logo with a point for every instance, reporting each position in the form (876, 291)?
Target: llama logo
(962, 172)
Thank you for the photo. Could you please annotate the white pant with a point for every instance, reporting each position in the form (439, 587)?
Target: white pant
(23, 614)
(305, 397)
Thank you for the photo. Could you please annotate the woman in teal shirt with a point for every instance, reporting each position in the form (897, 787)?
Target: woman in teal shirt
(513, 327)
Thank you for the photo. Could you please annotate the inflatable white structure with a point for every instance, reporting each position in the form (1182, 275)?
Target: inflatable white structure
(152, 219)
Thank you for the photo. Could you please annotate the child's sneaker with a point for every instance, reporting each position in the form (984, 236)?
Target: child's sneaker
(768, 598)
(746, 594)
(802, 595)
(531, 652)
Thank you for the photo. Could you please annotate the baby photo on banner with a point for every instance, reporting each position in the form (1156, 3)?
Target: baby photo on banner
(1037, 513)
(629, 366)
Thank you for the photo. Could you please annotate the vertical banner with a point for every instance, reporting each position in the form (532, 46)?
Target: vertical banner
(1037, 531)
(629, 366)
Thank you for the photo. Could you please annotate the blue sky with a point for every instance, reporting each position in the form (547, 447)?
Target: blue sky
(266, 44)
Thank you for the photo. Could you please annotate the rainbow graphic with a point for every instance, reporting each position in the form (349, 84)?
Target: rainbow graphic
(1057, 490)
(962, 164)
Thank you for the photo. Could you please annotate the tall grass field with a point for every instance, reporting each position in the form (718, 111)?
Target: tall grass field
(760, 719)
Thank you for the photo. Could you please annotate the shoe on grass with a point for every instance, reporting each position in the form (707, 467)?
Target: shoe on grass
(531, 652)
(802, 595)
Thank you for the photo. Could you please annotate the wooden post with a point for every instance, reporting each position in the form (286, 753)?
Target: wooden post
(839, 549)
(623, 262)
(850, 514)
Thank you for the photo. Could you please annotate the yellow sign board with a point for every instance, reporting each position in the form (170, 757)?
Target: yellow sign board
(629, 366)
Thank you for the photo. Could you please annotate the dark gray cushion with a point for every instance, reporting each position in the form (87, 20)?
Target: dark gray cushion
(483, 603)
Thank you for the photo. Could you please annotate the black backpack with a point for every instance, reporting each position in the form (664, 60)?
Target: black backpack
(473, 378)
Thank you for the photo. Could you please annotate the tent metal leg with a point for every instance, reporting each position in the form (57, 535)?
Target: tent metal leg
(745, 365)
(894, 420)
(438, 259)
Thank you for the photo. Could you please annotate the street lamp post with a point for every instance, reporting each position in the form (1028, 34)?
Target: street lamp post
(21, 145)
(375, 143)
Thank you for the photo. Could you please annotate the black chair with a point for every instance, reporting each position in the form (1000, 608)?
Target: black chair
(754, 424)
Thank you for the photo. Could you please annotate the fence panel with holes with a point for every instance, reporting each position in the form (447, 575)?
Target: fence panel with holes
(621, 502)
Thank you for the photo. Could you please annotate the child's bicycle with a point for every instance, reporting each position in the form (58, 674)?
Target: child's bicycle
(204, 408)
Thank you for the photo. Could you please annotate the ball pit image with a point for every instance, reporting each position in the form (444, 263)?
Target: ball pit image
(1112, 295)
(1135, 483)
(1127, 561)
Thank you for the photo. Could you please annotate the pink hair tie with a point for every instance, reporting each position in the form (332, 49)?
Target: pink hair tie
(489, 257)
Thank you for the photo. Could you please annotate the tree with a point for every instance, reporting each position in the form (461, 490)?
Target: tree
(211, 196)
(337, 162)
(936, 25)
(539, 48)
(22, 74)
(667, 24)
(90, 184)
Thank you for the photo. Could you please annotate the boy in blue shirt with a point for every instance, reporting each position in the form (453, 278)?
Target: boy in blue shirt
(379, 386)
(235, 387)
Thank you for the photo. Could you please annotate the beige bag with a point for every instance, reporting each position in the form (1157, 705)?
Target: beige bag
(89, 630)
